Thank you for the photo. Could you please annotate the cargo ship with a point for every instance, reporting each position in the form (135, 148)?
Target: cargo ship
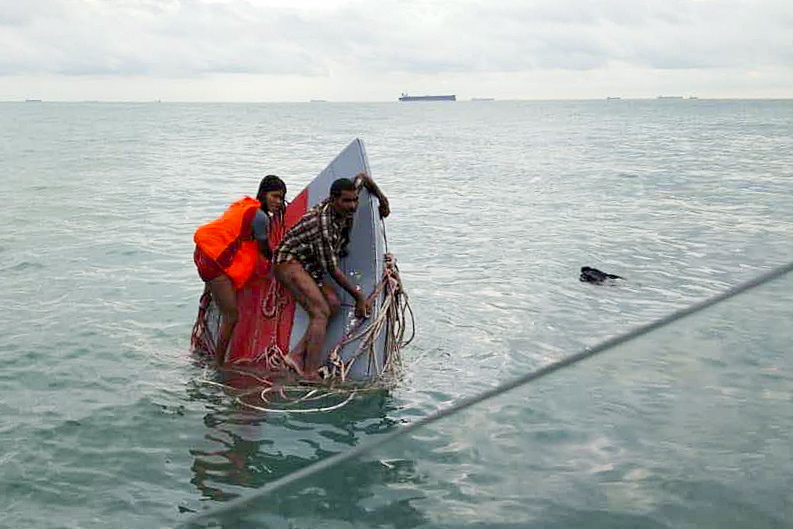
(406, 97)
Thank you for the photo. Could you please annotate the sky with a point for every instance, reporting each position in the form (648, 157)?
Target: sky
(373, 50)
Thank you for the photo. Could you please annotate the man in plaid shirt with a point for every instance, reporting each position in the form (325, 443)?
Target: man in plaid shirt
(310, 250)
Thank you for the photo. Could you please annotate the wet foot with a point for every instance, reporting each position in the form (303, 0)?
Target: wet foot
(294, 364)
(312, 377)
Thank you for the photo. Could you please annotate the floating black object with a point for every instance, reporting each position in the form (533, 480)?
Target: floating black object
(593, 275)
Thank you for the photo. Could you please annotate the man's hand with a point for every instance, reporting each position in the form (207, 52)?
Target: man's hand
(366, 181)
(362, 179)
(363, 307)
(385, 210)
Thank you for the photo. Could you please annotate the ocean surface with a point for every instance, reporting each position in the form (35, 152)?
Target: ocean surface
(107, 421)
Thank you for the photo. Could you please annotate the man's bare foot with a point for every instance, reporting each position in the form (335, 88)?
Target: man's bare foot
(295, 364)
(313, 376)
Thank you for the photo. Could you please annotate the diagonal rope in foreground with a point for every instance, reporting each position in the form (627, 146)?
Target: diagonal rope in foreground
(320, 466)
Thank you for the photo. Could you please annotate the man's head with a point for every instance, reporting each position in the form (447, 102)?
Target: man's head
(344, 197)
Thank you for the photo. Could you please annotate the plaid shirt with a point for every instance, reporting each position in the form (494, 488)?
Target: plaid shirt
(315, 241)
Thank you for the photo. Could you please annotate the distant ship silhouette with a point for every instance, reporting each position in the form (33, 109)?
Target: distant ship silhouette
(406, 97)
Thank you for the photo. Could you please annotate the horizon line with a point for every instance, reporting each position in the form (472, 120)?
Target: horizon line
(476, 99)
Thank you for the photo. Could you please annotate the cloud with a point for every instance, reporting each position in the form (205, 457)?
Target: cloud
(574, 35)
(188, 38)
(177, 39)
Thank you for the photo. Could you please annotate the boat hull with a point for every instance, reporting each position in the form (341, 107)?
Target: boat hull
(271, 323)
(429, 98)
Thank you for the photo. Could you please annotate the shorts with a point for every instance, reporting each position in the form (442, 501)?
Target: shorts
(317, 274)
(208, 268)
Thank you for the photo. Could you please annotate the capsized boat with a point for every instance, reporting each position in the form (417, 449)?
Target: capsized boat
(270, 321)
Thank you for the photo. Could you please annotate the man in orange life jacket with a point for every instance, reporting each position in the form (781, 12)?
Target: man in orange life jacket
(227, 250)
(309, 252)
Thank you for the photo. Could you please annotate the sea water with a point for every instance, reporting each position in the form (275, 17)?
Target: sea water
(108, 422)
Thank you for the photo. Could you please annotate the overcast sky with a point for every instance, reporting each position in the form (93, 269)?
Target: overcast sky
(372, 50)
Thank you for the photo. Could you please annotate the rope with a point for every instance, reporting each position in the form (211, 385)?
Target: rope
(273, 303)
(390, 318)
(202, 341)
(468, 402)
(311, 395)
(267, 387)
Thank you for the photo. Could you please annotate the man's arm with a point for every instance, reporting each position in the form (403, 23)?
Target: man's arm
(363, 179)
(361, 305)
(330, 263)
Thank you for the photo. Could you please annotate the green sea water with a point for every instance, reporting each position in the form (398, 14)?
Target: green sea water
(108, 422)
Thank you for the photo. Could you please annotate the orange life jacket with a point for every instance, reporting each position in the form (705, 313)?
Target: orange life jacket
(230, 243)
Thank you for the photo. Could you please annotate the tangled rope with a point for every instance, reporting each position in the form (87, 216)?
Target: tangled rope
(392, 317)
(202, 339)
(272, 397)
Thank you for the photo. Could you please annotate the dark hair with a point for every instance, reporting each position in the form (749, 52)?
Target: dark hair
(342, 184)
(269, 183)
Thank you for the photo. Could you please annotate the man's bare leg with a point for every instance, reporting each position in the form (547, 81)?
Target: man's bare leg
(308, 294)
(222, 290)
(334, 303)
